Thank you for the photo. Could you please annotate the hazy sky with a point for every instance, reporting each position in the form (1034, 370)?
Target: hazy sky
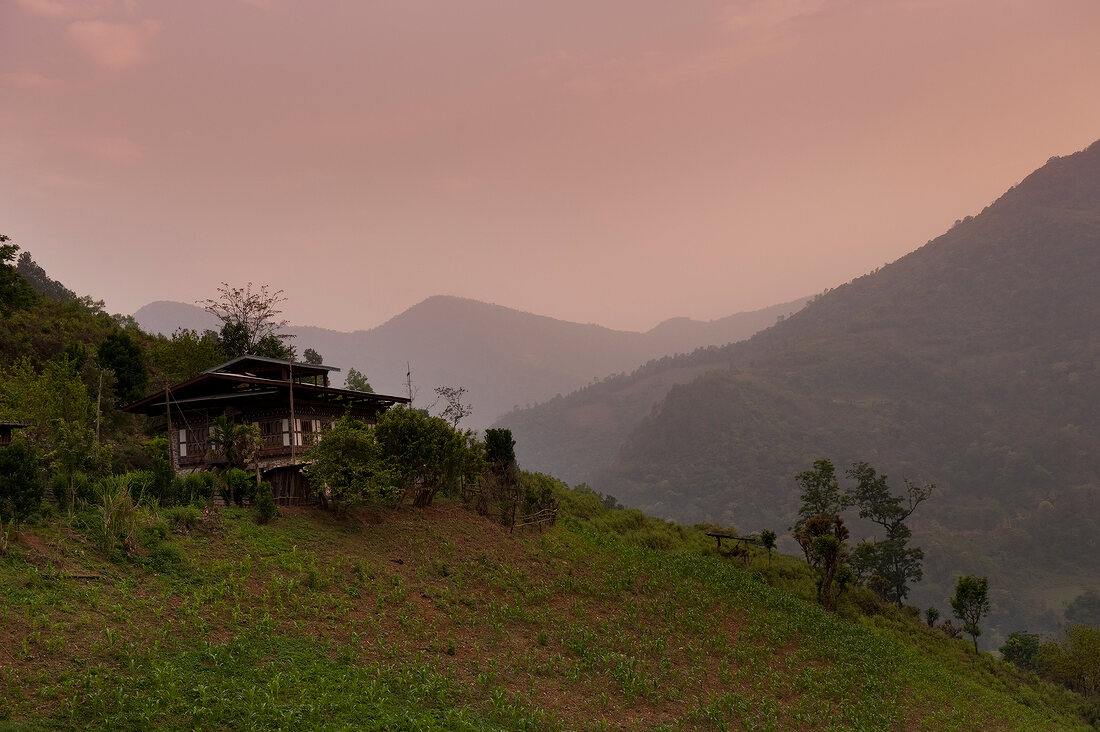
(597, 161)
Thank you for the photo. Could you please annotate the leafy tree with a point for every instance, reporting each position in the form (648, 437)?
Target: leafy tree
(250, 323)
(1022, 649)
(822, 538)
(75, 453)
(820, 495)
(124, 357)
(21, 483)
(57, 392)
(424, 454)
(312, 357)
(455, 411)
(767, 539)
(970, 604)
(1084, 609)
(347, 463)
(500, 450)
(356, 381)
(876, 502)
(892, 560)
(185, 355)
(931, 615)
(15, 292)
(238, 444)
(1075, 661)
(500, 484)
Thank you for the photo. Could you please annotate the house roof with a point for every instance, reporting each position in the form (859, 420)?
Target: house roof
(249, 377)
(257, 365)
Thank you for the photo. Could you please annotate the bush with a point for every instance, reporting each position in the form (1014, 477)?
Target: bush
(238, 486)
(85, 493)
(143, 487)
(21, 484)
(182, 518)
(194, 488)
(163, 559)
(113, 518)
(265, 503)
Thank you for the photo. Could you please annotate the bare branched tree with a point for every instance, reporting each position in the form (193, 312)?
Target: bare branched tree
(250, 318)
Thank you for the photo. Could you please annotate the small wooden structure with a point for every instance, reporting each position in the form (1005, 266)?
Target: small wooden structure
(6, 428)
(291, 403)
(740, 550)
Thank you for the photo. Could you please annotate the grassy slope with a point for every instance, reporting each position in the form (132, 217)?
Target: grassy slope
(442, 620)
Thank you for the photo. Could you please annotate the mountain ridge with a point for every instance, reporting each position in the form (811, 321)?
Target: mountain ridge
(972, 363)
(503, 357)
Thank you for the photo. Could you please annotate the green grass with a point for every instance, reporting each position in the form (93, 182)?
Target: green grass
(439, 619)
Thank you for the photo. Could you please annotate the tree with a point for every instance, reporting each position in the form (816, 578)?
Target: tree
(76, 452)
(822, 538)
(767, 540)
(185, 355)
(121, 354)
(455, 411)
(931, 615)
(1075, 661)
(500, 450)
(250, 323)
(1084, 609)
(892, 560)
(238, 444)
(347, 464)
(876, 502)
(39, 397)
(970, 604)
(820, 495)
(15, 292)
(312, 357)
(21, 484)
(356, 381)
(424, 454)
(500, 484)
(1022, 649)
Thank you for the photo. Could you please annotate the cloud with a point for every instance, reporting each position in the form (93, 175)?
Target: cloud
(764, 15)
(64, 10)
(28, 80)
(115, 46)
(108, 149)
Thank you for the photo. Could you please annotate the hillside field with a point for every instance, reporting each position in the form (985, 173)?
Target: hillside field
(403, 619)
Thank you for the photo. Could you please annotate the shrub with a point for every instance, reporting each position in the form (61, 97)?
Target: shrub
(265, 503)
(182, 518)
(85, 493)
(194, 488)
(21, 484)
(113, 518)
(238, 486)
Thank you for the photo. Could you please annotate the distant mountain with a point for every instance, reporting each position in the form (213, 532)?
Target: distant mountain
(503, 357)
(972, 363)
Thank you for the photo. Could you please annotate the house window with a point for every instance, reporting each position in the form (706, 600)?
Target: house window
(183, 443)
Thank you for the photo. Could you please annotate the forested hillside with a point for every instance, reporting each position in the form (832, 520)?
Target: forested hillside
(971, 363)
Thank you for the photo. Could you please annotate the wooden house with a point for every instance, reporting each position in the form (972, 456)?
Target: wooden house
(291, 403)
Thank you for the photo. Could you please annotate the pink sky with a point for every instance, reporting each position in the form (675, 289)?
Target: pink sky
(596, 161)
